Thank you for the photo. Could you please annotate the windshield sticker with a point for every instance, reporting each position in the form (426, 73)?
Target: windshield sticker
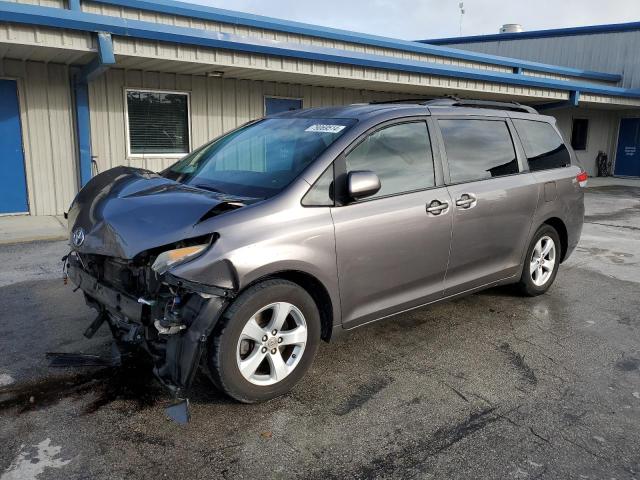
(320, 128)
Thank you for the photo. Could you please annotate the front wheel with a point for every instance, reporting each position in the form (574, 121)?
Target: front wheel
(541, 263)
(265, 342)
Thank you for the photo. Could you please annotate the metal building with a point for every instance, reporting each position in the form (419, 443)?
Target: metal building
(87, 85)
(608, 48)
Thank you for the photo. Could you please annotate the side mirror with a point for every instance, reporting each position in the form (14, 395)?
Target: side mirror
(362, 184)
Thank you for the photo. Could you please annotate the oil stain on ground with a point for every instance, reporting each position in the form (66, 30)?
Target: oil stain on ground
(131, 382)
(628, 364)
(363, 394)
(414, 455)
(518, 362)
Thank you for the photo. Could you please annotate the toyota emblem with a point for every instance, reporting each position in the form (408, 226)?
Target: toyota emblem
(77, 238)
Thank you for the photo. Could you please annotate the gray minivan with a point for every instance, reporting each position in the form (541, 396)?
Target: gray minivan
(296, 227)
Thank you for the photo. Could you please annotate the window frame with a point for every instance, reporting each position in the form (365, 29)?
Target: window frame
(562, 139)
(523, 166)
(586, 137)
(340, 165)
(187, 93)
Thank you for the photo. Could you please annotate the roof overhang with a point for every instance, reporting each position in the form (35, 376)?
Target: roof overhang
(75, 20)
(201, 12)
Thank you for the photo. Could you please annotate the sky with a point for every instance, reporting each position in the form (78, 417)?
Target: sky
(423, 19)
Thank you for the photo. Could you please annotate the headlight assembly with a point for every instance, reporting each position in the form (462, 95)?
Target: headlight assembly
(170, 258)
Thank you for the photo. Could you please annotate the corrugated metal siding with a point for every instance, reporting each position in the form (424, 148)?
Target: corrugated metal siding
(42, 3)
(602, 133)
(606, 52)
(48, 135)
(16, 36)
(217, 105)
(115, 11)
(125, 46)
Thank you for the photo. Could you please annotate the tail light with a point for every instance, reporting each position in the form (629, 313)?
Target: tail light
(582, 178)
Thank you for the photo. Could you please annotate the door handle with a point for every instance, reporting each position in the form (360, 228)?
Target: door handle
(467, 200)
(437, 207)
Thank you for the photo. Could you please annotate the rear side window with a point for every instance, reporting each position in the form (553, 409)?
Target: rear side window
(400, 155)
(542, 145)
(478, 149)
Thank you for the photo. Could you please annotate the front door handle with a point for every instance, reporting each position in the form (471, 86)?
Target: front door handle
(467, 200)
(437, 207)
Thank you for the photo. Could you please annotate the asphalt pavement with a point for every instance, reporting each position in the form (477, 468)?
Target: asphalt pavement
(489, 386)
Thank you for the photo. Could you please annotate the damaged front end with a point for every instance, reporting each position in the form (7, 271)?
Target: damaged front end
(151, 309)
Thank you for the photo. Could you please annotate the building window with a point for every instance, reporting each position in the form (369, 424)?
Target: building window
(158, 123)
(273, 105)
(579, 132)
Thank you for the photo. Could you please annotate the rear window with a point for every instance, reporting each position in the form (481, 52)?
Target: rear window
(542, 145)
(478, 149)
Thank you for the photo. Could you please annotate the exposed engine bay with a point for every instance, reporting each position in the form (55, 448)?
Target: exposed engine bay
(167, 317)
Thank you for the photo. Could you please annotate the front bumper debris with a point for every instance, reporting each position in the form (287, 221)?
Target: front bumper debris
(171, 323)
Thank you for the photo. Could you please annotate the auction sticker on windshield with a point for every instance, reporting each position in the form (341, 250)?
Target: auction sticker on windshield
(325, 128)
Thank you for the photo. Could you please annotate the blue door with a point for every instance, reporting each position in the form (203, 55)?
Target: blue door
(274, 105)
(628, 155)
(13, 185)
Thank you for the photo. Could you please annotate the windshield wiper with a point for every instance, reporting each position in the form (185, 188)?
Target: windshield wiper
(208, 187)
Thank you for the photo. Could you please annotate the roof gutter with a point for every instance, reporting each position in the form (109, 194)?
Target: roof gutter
(75, 20)
(92, 70)
(554, 32)
(201, 12)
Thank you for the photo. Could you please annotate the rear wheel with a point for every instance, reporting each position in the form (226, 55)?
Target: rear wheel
(542, 262)
(266, 341)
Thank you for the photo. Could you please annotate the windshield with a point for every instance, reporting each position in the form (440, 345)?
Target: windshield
(260, 159)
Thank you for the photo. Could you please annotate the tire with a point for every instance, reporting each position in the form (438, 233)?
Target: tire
(532, 282)
(236, 342)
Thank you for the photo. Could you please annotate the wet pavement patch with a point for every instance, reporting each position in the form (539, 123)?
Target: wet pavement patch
(628, 364)
(364, 393)
(414, 455)
(518, 362)
(132, 382)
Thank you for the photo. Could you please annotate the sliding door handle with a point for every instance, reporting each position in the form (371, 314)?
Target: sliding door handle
(437, 207)
(467, 200)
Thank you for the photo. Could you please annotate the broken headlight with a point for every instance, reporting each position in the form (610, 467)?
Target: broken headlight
(170, 258)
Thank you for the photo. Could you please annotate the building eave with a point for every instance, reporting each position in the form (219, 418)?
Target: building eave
(171, 7)
(554, 32)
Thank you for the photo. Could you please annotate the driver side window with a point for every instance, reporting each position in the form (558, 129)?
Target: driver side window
(400, 155)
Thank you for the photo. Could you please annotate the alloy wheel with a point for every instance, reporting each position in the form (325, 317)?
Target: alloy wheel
(271, 343)
(543, 261)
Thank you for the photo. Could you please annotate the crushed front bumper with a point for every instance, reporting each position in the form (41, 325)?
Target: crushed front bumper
(131, 321)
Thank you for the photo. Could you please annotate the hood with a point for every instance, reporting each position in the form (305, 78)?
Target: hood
(125, 211)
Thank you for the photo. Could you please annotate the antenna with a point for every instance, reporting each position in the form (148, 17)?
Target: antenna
(461, 7)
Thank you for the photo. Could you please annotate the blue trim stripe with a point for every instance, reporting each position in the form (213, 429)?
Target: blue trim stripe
(172, 7)
(83, 130)
(103, 60)
(555, 32)
(54, 17)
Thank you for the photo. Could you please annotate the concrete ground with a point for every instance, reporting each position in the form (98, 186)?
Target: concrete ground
(27, 228)
(489, 386)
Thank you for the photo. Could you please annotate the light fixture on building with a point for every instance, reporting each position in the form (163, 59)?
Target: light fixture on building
(216, 73)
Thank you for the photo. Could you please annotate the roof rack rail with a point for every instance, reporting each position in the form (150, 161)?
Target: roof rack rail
(452, 101)
(513, 106)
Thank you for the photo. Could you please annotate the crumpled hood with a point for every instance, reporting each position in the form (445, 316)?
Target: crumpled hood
(125, 211)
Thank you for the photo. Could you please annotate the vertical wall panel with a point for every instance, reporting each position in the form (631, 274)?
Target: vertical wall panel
(217, 105)
(46, 114)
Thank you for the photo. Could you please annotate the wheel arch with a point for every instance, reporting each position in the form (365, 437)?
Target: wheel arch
(314, 287)
(560, 227)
